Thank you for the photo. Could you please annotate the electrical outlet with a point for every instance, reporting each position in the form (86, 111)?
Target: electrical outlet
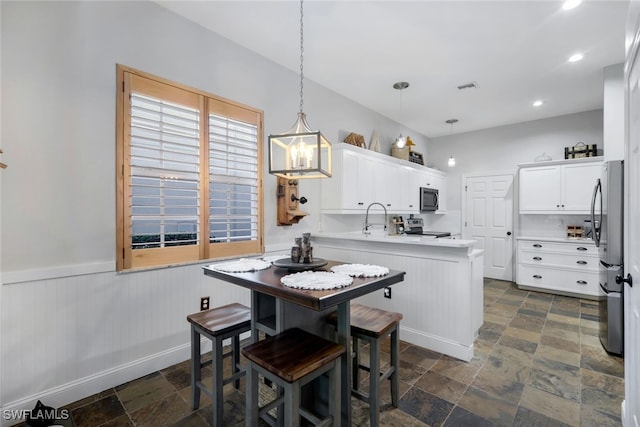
(204, 303)
(387, 292)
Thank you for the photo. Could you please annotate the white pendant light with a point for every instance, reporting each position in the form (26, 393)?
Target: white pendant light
(300, 152)
(452, 160)
(401, 141)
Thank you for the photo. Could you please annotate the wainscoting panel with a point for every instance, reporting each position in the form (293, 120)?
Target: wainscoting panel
(434, 297)
(66, 338)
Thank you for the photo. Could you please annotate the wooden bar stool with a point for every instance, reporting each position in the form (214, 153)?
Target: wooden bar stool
(372, 325)
(217, 324)
(291, 360)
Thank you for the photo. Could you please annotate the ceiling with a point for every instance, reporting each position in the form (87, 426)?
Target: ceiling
(516, 52)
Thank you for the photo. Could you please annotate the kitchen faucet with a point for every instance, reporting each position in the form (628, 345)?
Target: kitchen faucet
(365, 230)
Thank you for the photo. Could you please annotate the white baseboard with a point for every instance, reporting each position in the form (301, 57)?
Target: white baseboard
(436, 343)
(79, 389)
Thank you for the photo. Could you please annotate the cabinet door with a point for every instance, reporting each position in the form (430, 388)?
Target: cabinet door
(539, 189)
(357, 185)
(441, 186)
(577, 186)
(410, 190)
(385, 182)
(427, 179)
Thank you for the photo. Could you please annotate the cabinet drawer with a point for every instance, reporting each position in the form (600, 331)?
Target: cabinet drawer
(560, 280)
(582, 248)
(562, 260)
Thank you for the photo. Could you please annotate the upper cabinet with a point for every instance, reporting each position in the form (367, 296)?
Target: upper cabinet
(563, 187)
(361, 177)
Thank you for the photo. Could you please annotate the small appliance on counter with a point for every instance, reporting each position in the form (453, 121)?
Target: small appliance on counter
(416, 226)
(397, 225)
(575, 232)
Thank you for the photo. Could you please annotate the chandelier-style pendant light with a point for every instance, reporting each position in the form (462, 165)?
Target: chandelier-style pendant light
(300, 152)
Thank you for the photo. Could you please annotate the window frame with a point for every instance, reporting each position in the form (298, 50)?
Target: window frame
(206, 103)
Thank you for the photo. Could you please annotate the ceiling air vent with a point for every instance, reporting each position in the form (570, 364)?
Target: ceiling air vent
(468, 86)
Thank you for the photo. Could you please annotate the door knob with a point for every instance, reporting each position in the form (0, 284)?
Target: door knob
(508, 233)
(628, 279)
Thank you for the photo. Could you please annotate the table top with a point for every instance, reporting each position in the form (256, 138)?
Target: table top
(268, 282)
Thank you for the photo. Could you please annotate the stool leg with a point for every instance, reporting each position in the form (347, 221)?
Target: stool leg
(251, 396)
(235, 348)
(334, 393)
(217, 383)
(195, 368)
(374, 382)
(291, 405)
(280, 411)
(355, 367)
(395, 363)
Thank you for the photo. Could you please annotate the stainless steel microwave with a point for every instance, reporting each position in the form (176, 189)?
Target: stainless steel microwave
(428, 199)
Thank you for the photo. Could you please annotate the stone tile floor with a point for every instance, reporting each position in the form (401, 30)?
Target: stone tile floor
(538, 362)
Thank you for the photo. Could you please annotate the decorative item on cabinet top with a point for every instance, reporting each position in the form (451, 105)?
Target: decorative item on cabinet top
(374, 144)
(544, 157)
(355, 139)
(2, 165)
(416, 158)
(581, 150)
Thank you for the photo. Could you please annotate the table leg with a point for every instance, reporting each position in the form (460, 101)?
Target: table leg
(344, 338)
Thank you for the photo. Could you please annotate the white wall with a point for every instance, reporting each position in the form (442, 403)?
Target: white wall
(613, 112)
(502, 148)
(71, 326)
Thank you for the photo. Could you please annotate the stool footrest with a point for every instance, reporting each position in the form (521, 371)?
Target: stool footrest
(361, 395)
(204, 389)
(234, 377)
(269, 406)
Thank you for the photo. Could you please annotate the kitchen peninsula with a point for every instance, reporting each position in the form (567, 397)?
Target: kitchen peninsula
(441, 298)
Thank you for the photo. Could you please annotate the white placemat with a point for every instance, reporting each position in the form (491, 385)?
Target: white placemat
(241, 265)
(316, 280)
(361, 270)
(271, 258)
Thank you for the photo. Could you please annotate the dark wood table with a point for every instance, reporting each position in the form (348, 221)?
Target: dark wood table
(276, 307)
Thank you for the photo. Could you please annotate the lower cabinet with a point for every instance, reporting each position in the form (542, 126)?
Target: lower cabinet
(565, 267)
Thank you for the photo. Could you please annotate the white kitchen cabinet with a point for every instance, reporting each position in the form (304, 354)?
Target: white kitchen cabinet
(563, 187)
(559, 266)
(408, 189)
(388, 185)
(577, 185)
(361, 177)
(351, 186)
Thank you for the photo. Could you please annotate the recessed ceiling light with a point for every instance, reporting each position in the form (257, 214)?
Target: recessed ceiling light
(576, 57)
(571, 4)
(537, 103)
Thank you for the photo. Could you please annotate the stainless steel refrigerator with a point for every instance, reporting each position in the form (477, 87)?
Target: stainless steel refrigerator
(606, 220)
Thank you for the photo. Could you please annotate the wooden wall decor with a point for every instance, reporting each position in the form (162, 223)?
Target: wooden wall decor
(2, 165)
(288, 202)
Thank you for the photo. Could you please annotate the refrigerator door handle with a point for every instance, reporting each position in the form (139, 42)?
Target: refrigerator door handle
(620, 280)
(608, 266)
(594, 225)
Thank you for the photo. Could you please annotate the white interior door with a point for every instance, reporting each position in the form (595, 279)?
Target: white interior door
(489, 221)
(631, 405)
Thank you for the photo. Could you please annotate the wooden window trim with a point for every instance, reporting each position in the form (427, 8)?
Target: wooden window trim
(128, 259)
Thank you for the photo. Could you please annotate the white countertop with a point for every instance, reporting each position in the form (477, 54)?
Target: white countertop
(585, 241)
(398, 239)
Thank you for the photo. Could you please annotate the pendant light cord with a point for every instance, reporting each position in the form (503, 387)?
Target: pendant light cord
(301, 52)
